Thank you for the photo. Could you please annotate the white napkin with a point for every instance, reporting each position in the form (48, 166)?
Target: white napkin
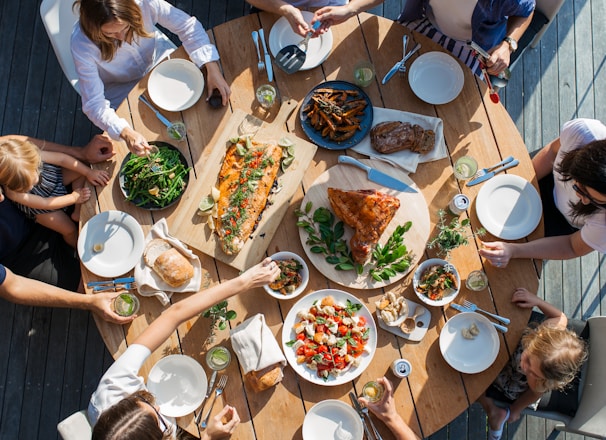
(255, 345)
(405, 159)
(150, 284)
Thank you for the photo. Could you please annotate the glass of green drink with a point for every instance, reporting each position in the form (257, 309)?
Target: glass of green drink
(126, 304)
(465, 167)
(218, 358)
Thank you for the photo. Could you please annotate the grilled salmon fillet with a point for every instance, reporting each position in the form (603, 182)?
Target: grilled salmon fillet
(367, 212)
(245, 181)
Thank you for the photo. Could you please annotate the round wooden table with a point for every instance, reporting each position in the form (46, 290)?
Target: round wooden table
(434, 394)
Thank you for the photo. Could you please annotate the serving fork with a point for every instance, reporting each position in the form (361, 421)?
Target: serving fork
(218, 392)
(471, 306)
(261, 63)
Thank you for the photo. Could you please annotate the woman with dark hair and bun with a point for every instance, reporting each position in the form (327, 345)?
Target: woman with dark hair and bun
(572, 173)
(115, 44)
(122, 408)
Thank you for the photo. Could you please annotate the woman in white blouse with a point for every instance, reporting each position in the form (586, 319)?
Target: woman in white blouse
(115, 44)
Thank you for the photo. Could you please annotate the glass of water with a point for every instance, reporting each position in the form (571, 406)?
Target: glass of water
(266, 95)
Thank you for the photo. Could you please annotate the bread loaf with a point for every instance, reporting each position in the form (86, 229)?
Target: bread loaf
(265, 378)
(166, 261)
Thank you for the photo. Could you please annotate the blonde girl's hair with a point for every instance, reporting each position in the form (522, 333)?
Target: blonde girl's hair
(560, 351)
(20, 161)
(96, 13)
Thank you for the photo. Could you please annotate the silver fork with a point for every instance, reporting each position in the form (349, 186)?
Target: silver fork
(402, 68)
(115, 287)
(372, 424)
(471, 306)
(261, 63)
(218, 392)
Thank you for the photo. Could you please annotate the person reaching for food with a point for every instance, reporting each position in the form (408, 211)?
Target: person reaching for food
(572, 176)
(291, 9)
(122, 404)
(547, 358)
(114, 44)
(36, 180)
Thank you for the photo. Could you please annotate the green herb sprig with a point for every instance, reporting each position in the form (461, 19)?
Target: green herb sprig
(452, 234)
(219, 315)
(393, 257)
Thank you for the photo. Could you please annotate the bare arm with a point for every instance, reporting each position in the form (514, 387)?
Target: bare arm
(331, 15)
(162, 327)
(48, 203)
(22, 290)
(543, 161)
(65, 161)
(526, 398)
(291, 13)
(500, 54)
(554, 316)
(563, 247)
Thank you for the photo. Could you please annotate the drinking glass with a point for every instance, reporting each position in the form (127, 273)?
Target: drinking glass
(218, 358)
(373, 391)
(126, 304)
(364, 73)
(476, 280)
(465, 167)
(177, 131)
(266, 95)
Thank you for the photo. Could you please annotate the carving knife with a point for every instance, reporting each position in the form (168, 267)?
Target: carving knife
(356, 405)
(268, 66)
(378, 176)
(491, 174)
(211, 384)
(460, 308)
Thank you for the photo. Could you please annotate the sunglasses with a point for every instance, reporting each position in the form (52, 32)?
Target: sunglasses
(162, 422)
(591, 200)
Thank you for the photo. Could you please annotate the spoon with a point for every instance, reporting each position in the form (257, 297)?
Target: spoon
(410, 323)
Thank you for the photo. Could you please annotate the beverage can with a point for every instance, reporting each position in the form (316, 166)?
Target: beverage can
(401, 368)
(458, 204)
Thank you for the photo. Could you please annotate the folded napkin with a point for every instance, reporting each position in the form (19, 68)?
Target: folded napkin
(405, 159)
(150, 284)
(255, 345)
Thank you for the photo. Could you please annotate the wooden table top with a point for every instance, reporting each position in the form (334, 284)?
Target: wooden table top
(434, 394)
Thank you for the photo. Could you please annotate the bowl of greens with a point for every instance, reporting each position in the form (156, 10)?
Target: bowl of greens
(156, 181)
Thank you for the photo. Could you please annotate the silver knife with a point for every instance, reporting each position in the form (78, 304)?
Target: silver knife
(211, 384)
(356, 405)
(460, 308)
(392, 71)
(110, 282)
(378, 176)
(487, 176)
(268, 66)
(159, 115)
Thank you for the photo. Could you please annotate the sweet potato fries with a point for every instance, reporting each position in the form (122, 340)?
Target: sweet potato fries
(335, 113)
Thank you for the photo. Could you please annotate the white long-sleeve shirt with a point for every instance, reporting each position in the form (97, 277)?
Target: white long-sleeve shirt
(105, 84)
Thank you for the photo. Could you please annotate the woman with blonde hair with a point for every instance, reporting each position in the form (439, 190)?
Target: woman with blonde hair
(36, 180)
(547, 358)
(115, 44)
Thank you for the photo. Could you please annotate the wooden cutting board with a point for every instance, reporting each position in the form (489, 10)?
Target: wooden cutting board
(412, 208)
(194, 230)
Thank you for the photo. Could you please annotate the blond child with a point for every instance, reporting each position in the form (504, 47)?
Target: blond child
(547, 358)
(36, 181)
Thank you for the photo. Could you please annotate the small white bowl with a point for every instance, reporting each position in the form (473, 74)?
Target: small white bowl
(175, 85)
(446, 298)
(304, 276)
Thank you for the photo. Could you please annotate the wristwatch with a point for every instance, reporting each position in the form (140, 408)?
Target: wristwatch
(513, 44)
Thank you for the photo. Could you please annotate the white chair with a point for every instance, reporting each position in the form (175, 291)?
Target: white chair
(75, 427)
(59, 18)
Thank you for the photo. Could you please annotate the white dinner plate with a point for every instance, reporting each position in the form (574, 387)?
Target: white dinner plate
(288, 334)
(469, 355)
(436, 77)
(322, 421)
(175, 85)
(179, 384)
(282, 35)
(509, 207)
(121, 239)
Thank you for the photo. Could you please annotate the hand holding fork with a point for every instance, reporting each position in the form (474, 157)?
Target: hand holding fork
(218, 392)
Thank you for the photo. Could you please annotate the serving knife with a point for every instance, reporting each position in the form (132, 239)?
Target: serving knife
(378, 176)
(358, 408)
(487, 176)
(268, 66)
(111, 282)
(460, 308)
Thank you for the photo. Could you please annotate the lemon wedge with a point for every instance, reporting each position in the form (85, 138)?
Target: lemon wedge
(285, 142)
(206, 204)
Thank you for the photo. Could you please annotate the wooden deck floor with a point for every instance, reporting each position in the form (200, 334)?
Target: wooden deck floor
(51, 360)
